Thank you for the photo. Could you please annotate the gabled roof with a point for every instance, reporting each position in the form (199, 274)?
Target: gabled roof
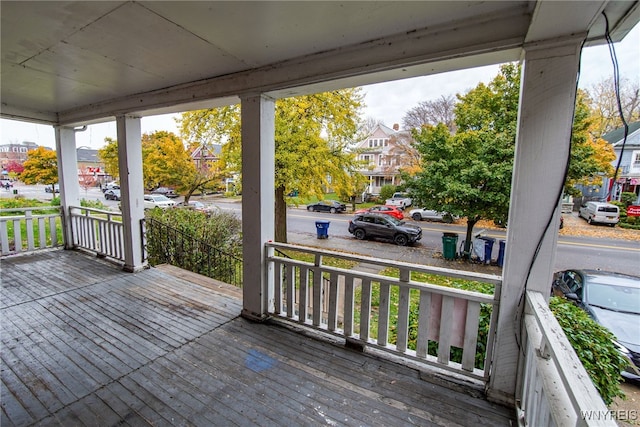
(85, 154)
(615, 137)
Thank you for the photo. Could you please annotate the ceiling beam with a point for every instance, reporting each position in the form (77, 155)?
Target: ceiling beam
(491, 34)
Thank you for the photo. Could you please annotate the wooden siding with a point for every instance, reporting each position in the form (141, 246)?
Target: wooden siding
(84, 343)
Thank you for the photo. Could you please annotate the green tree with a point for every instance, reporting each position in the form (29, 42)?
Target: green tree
(469, 173)
(591, 156)
(41, 167)
(311, 136)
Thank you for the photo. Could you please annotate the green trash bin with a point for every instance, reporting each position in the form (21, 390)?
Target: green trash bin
(449, 243)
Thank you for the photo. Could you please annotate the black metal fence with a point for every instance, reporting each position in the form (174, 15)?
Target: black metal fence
(168, 245)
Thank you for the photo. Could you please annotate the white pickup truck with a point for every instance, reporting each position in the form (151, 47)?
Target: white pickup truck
(400, 200)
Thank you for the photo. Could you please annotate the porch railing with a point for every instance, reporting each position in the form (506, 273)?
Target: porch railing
(554, 388)
(167, 244)
(98, 231)
(428, 323)
(29, 229)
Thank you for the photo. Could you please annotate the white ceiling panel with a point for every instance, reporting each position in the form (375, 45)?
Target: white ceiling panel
(81, 60)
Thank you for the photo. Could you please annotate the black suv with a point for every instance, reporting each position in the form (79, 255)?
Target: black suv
(369, 225)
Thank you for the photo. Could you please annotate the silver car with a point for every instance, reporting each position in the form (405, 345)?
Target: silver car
(431, 215)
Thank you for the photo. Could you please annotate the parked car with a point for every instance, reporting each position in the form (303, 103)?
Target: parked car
(50, 189)
(400, 200)
(197, 206)
(165, 191)
(152, 201)
(600, 212)
(377, 226)
(113, 185)
(383, 209)
(612, 300)
(327, 206)
(431, 215)
(113, 194)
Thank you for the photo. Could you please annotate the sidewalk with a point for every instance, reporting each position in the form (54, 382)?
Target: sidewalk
(416, 255)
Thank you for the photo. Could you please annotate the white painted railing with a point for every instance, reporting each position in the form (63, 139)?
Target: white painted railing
(98, 231)
(394, 314)
(554, 389)
(30, 229)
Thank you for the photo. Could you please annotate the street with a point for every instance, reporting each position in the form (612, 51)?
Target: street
(622, 256)
(609, 254)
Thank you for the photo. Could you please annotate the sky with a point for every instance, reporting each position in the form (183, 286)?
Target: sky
(387, 102)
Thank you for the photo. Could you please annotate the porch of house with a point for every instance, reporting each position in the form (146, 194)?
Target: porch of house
(84, 343)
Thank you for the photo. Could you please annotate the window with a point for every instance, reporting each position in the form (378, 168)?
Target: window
(636, 160)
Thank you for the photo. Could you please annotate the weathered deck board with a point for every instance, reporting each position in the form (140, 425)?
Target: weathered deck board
(86, 344)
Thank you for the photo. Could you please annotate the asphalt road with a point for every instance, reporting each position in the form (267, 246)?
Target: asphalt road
(573, 252)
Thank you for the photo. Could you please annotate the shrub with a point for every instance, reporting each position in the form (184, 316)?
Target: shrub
(221, 229)
(628, 198)
(387, 191)
(594, 346)
(95, 204)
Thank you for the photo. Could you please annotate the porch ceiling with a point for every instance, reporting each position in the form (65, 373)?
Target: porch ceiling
(73, 62)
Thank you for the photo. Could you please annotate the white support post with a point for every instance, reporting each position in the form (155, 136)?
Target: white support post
(67, 177)
(258, 202)
(132, 190)
(547, 98)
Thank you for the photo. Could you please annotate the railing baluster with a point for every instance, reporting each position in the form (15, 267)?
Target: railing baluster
(422, 346)
(332, 317)
(334, 295)
(303, 301)
(348, 306)
(470, 336)
(365, 309)
(383, 314)
(403, 320)
(446, 323)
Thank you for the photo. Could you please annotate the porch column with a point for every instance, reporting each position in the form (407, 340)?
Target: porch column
(67, 177)
(545, 116)
(131, 190)
(258, 202)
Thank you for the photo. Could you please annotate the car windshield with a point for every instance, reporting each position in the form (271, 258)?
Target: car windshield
(160, 198)
(617, 298)
(394, 220)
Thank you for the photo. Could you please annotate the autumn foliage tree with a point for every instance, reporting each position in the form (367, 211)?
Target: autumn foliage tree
(41, 167)
(591, 156)
(312, 134)
(109, 157)
(166, 161)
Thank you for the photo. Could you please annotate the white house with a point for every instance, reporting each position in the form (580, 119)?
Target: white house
(385, 152)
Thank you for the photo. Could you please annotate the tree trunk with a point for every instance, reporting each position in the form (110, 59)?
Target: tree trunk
(280, 216)
(468, 239)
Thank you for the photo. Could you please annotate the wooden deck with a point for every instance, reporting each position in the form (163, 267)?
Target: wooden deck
(84, 343)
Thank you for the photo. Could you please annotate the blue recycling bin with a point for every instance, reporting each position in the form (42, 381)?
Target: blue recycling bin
(500, 261)
(488, 248)
(322, 228)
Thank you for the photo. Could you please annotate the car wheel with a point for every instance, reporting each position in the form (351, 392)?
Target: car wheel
(310, 208)
(360, 234)
(401, 240)
(333, 210)
(447, 218)
(416, 216)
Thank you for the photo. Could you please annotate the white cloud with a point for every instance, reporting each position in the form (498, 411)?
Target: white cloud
(384, 101)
